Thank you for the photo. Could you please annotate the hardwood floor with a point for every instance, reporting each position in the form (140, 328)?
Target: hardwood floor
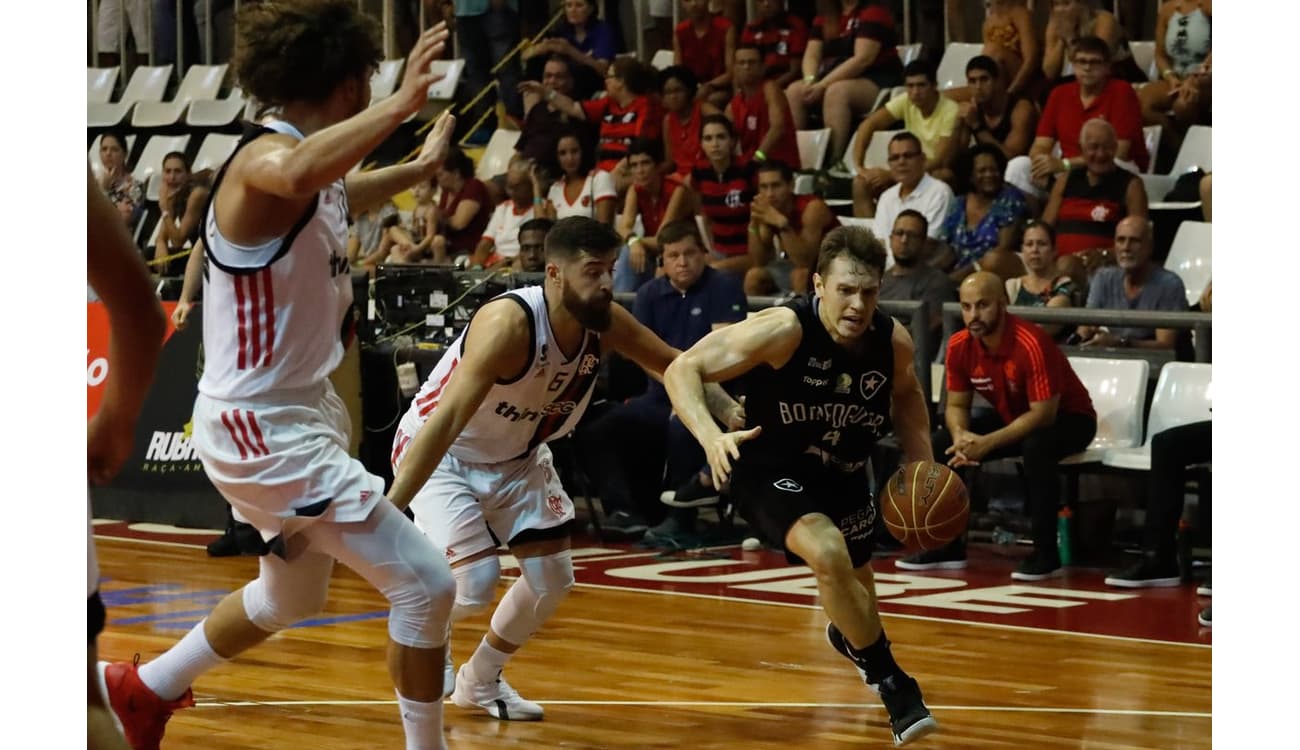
(632, 669)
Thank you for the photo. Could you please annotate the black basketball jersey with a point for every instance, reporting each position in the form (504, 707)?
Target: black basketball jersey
(826, 398)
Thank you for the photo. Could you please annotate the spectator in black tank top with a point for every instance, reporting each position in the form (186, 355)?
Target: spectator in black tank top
(993, 116)
(799, 468)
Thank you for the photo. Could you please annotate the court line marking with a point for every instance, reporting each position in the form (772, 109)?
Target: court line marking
(743, 704)
(796, 605)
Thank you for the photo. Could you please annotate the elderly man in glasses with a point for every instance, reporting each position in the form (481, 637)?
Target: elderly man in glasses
(913, 189)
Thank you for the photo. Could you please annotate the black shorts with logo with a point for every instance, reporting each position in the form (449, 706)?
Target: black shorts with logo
(772, 495)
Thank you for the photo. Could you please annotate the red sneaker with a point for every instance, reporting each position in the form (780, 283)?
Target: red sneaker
(142, 714)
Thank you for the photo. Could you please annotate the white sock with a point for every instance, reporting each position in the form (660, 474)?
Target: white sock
(422, 723)
(487, 662)
(171, 674)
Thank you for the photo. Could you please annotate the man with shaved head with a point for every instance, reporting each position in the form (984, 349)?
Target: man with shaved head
(1042, 413)
(1137, 283)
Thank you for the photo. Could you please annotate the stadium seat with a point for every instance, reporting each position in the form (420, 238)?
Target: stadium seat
(201, 82)
(496, 157)
(215, 150)
(216, 113)
(384, 82)
(150, 162)
(1196, 151)
(1144, 54)
(147, 84)
(1118, 388)
(1184, 395)
(1151, 135)
(100, 83)
(96, 166)
(952, 68)
(886, 95)
(812, 153)
(1190, 257)
(909, 52)
(662, 59)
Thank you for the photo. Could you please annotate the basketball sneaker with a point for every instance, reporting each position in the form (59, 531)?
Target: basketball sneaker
(1038, 567)
(909, 719)
(496, 697)
(142, 714)
(1204, 618)
(841, 644)
(1204, 589)
(1148, 572)
(949, 557)
(448, 675)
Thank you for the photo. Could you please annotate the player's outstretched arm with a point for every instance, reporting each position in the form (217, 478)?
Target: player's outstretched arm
(136, 325)
(496, 348)
(769, 337)
(368, 190)
(909, 410)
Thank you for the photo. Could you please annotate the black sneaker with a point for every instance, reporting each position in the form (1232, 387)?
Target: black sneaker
(1204, 617)
(1204, 588)
(671, 532)
(841, 644)
(622, 523)
(909, 719)
(949, 557)
(1148, 572)
(1038, 567)
(692, 494)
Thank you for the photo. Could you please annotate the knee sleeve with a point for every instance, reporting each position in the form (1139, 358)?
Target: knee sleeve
(534, 597)
(288, 605)
(421, 594)
(476, 585)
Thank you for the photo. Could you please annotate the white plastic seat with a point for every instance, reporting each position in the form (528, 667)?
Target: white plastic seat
(451, 71)
(1184, 394)
(885, 96)
(909, 52)
(1118, 388)
(1190, 257)
(952, 68)
(812, 147)
(216, 113)
(147, 84)
(1196, 151)
(877, 154)
(496, 157)
(1144, 54)
(215, 150)
(150, 162)
(662, 59)
(201, 82)
(384, 81)
(1151, 134)
(96, 166)
(100, 83)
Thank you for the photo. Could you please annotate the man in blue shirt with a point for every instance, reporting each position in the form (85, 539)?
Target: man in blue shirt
(630, 444)
(1136, 283)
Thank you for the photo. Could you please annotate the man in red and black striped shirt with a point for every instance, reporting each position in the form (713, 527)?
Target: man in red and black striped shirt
(1042, 413)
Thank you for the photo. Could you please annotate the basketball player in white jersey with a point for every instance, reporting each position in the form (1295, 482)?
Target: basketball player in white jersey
(470, 455)
(268, 427)
(136, 327)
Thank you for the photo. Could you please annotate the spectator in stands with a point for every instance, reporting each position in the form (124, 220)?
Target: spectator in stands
(911, 278)
(706, 43)
(111, 30)
(761, 113)
(486, 33)
(462, 211)
(1042, 413)
(500, 241)
(926, 114)
(118, 183)
(544, 121)
(1085, 205)
(583, 38)
(1042, 285)
(412, 243)
(181, 198)
(683, 115)
(785, 232)
(1136, 283)
(1073, 20)
(981, 226)
(367, 232)
(1066, 112)
(993, 116)
(532, 245)
(1183, 59)
(723, 189)
(1011, 40)
(581, 189)
(626, 113)
(658, 200)
(851, 56)
(637, 448)
(781, 38)
(913, 189)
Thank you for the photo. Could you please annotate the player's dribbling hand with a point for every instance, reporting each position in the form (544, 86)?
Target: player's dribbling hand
(438, 142)
(108, 445)
(736, 417)
(724, 449)
(414, 91)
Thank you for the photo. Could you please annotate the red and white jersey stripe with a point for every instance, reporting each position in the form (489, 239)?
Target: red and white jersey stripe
(245, 431)
(273, 314)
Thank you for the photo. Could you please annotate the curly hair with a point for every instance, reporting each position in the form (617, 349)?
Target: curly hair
(301, 50)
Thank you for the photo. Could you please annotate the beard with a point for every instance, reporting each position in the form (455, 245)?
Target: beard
(594, 314)
(909, 261)
(979, 328)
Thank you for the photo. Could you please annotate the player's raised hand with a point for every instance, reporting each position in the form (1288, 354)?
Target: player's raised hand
(414, 91)
(724, 449)
(438, 142)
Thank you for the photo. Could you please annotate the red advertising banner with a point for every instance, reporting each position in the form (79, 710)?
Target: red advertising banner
(97, 336)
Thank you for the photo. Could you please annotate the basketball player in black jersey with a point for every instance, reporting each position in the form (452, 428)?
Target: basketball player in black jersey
(825, 376)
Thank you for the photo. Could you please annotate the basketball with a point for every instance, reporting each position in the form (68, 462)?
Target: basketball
(925, 505)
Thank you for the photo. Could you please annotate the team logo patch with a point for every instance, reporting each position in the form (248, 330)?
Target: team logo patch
(556, 504)
(870, 383)
(819, 364)
(586, 201)
(787, 485)
(733, 199)
(1099, 212)
(751, 122)
(843, 383)
(588, 365)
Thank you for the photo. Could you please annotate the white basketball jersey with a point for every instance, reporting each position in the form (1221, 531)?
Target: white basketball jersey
(273, 314)
(542, 404)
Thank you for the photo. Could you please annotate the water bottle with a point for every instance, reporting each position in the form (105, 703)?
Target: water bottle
(1184, 550)
(1063, 548)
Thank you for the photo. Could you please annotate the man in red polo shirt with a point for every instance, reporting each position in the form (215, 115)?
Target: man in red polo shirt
(1093, 94)
(1042, 414)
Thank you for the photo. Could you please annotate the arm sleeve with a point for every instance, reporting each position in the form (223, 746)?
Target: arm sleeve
(602, 186)
(1096, 297)
(948, 110)
(798, 39)
(1047, 123)
(497, 223)
(896, 106)
(594, 109)
(936, 209)
(954, 367)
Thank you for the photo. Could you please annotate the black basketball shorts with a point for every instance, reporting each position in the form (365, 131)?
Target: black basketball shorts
(772, 495)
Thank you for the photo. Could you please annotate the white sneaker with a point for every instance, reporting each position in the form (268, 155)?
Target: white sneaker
(496, 697)
(448, 675)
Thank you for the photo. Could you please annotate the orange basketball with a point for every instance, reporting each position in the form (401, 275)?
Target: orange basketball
(925, 505)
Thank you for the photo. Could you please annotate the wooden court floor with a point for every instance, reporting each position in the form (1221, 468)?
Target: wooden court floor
(627, 668)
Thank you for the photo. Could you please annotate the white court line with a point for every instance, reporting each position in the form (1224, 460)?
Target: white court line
(747, 704)
(724, 598)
